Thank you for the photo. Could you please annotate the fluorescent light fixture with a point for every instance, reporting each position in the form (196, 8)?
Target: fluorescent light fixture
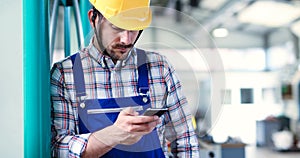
(220, 32)
(213, 5)
(296, 28)
(269, 13)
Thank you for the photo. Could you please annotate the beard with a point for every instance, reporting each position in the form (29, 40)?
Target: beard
(118, 51)
(121, 46)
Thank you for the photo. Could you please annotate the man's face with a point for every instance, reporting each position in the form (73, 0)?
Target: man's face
(116, 41)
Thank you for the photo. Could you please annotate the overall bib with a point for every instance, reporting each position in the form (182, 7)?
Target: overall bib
(149, 145)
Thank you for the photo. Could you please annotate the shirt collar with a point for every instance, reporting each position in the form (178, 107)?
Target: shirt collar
(102, 59)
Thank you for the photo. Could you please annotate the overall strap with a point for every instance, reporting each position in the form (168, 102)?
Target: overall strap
(78, 75)
(143, 80)
(143, 87)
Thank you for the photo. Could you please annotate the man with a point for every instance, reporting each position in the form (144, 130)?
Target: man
(88, 89)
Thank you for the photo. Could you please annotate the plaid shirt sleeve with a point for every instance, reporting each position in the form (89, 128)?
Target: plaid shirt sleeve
(179, 128)
(65, 141)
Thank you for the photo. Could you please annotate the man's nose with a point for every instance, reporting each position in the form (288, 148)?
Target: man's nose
(125, 37)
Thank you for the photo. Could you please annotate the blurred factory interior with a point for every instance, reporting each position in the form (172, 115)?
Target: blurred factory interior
(248, 101)
(238, 61)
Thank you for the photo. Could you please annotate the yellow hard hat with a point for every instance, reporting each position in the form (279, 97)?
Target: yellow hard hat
(125, 14)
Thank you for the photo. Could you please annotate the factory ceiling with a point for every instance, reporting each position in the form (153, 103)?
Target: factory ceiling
(258, 18)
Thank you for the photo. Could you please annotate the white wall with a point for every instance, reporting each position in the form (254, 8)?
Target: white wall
(11, 94)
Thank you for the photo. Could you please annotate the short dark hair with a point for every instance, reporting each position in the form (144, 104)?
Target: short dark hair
(95, 10)
(95, 14)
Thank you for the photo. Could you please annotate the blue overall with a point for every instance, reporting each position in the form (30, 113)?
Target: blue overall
(149, 145)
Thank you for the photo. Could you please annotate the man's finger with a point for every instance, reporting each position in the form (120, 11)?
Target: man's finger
(129, 111)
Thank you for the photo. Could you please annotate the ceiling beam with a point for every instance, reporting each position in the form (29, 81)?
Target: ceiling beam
(226, 11)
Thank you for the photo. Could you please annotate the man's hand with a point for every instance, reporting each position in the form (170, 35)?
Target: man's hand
(128, 129)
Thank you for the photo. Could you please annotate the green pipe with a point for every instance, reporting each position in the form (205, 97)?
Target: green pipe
(85, 6)
(67, 35)
(36, 80)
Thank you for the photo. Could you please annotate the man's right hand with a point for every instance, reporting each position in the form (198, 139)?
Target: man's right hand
(128, 129)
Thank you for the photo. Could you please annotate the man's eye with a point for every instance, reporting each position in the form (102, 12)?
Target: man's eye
(116, 28)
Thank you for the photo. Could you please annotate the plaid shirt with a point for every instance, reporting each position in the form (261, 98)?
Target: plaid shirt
(104, 79)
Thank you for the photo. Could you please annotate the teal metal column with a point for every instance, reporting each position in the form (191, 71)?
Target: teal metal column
(67, 30)
(85, 6)
(36, 79)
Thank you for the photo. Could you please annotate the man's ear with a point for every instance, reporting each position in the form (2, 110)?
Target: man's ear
(92, 17)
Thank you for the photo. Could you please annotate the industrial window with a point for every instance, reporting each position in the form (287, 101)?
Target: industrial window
(246, 95)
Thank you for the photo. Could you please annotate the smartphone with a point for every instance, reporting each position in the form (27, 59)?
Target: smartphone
(155, 111)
